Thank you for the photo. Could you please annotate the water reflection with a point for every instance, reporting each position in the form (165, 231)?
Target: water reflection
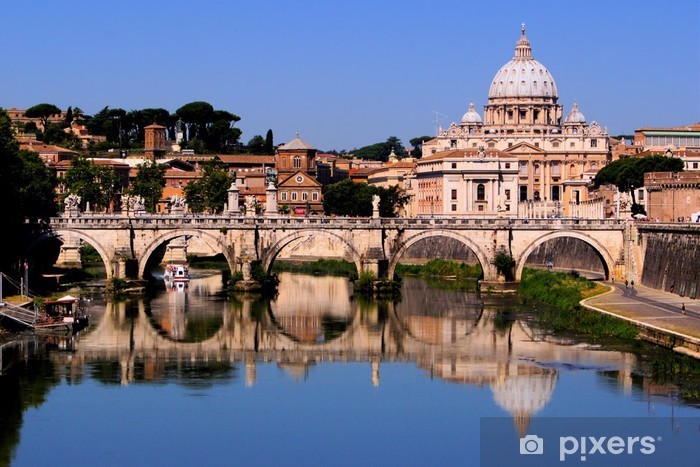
(198, 338)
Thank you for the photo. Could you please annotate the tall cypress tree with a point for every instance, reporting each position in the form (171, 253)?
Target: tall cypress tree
(269, 144)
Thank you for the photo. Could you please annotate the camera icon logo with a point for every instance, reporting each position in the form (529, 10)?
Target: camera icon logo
(531, 444)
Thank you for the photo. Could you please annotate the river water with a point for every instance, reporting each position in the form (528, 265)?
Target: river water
(311, 377)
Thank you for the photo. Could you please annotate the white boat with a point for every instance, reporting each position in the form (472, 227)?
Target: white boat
(176, 272)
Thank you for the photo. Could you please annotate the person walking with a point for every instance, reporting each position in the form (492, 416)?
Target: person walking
(682, 308)
(632, 283)
(626, 283)
(613, 278)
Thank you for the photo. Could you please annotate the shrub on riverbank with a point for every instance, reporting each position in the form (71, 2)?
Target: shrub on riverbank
(321, 267)
(441, 268)
(564, 292)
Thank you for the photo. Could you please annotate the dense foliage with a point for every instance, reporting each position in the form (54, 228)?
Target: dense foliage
(210, 193)
(100, 186)
(628, 173)
(349, 198)
(564, 292)
(149, 184)
(441, 268)
(381, 151)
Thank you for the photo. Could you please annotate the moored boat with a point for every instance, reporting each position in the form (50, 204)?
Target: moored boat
(66, 314)
(176, 272)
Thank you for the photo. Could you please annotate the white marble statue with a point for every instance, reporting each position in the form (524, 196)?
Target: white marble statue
(72, 202)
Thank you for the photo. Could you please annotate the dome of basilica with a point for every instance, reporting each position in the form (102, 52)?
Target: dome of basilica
(471, 117)
(575, 116)
(523, 76)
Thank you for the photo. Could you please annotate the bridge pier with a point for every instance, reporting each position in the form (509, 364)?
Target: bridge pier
(69, 255)
(176, 250)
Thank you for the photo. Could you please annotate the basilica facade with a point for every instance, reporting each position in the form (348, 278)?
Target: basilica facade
(557, 153)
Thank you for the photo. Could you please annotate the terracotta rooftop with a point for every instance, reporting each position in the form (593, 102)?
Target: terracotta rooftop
(297, 143)
(247, 159)
(41, 147)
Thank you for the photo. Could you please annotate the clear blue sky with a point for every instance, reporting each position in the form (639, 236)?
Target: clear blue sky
(347, 74)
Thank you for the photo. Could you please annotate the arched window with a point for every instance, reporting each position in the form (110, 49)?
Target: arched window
(297, 162)
(480, 192)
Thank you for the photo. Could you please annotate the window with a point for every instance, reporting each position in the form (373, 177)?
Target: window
(555, 169)
(523, 169)
(454, 165)
(508, 195)
(572, 144)
(537, 145)
(640, 195)
(695, 165)
(473, 145)
(492, 145)
(295, 196)
(283, 196)
(284, 162)
(314, 196)
(453, 143)
(575, 131)
(454, 194)
(480, 192)
(555, 144)
(510, 145)
(481, 207)
(537, 169)
(523, 193)
(594, 143)
(454, 207)
(304, 196)
(555, 193)
(297, 162)
(507, 165)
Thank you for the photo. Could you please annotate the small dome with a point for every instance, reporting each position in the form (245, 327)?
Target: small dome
(523, 76)
(575, 116)
(471, 116)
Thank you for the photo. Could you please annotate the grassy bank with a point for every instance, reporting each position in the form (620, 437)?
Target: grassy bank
(564, 292)
(440, 268)
(321, 267)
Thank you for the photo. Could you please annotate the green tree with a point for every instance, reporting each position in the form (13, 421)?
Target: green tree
(210, 193)
(628, 173)
(381, 151)
(69, 118)
(269, 143)
(195, 116)
(37, 187)
(257, 145)
(42, 112)
(10, 172)
(95, 184)
(417, 144)
(149, 183)
(349, 198)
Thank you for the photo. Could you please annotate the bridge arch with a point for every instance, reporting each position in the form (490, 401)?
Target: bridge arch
(61, 235)
(604, 255)
(456, 235)
(167, 236)
(276, 248)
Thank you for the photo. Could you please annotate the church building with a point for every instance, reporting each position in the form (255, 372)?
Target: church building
(556, 155)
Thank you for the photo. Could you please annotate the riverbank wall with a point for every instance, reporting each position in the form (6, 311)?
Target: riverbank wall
(670, 256)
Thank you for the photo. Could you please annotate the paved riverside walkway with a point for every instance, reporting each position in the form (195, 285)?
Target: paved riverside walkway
(651, 308)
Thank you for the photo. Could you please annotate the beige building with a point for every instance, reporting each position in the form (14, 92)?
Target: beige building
(523, 119)
(466, 183)
(672, 196)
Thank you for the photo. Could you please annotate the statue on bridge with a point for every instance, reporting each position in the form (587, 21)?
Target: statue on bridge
(72, 204)
(251, 204)
(177, 204)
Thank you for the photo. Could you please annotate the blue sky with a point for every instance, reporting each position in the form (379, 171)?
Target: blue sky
(347, 74)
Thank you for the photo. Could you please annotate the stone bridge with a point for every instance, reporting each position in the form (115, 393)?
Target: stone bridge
(127, 243)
